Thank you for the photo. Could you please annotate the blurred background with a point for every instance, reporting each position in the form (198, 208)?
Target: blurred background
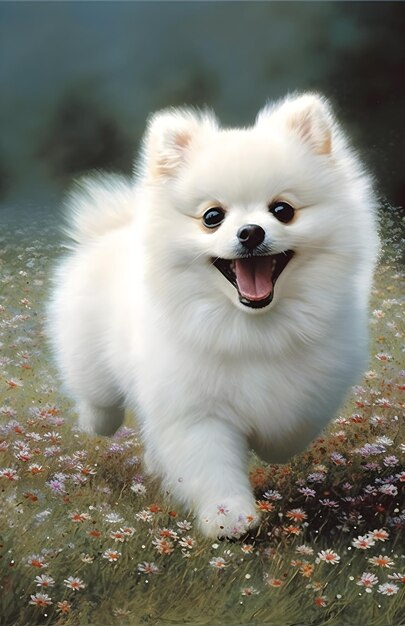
(78, 79)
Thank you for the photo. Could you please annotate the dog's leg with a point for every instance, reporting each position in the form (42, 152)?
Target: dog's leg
(100, 420)
(204, 465)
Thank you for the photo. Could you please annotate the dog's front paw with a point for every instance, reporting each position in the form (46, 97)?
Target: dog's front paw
(231, 517)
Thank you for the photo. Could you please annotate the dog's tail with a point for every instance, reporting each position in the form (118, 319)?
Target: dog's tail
(98, 204)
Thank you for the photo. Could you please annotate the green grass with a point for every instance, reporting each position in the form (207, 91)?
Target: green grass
(265, 580)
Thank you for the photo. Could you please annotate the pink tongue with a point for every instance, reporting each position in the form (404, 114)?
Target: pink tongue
(254, 277)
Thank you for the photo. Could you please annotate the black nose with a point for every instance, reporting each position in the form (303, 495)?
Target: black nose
(251, 235)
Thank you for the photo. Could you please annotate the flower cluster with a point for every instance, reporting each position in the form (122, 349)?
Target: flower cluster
(80, 516)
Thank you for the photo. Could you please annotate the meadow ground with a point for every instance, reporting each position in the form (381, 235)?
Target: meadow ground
(86, 538)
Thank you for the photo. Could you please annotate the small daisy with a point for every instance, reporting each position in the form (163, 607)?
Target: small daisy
(138, 488)
(249, 591)
(383, 356)
(147, 568)
(118, 535)
(187, 542)
(111, 555)
(9, 473)
(381, 561)
(264, 505)
(163, 546)
(79, 517)
(37, 560)
(384, 441)
(247, 548)
(144, 516)
(306, 491)
(168, 533)
(388, 490)
(218, 563)
(379, 535)
(388, 589)
(367, 580)
(44, 581)
(34, 468)
(307, 569)
(363, 542)
(113, 518)
(185, 525)
(272, 494)
(297, 515)
(74, 583)
(304, 550)
(40, 599)
(328, 556)
(332, 504)
(338, 459)
(63, 607)
(398, 577)
(292, 530)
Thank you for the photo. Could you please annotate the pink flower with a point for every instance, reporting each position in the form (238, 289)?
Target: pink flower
(367, 580)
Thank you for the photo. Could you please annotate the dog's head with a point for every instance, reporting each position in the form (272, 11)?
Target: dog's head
(241, 210)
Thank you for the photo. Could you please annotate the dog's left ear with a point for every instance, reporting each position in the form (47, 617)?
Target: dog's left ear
(309, 116)
(169, 137)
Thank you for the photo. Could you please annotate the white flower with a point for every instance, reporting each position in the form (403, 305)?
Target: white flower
(40, 599)
(44, 581)
(138, 488)
(328, 556)
(184, 525)
(363, 542)
(388, 589)
(147, 568)
(113, 518)
(218, 563)
(385, 441)
(389, 490)
(304, 550)
(74, 583)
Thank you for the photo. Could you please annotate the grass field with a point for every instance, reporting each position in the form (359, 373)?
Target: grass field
(86, 538)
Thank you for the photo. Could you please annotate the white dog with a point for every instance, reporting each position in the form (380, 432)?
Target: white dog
(221, 295)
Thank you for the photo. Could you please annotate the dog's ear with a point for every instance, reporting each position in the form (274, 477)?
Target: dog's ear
(309, 116)
(169, 138)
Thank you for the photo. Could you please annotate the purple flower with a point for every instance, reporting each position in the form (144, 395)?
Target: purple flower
(306, 491)
(332, 504)
(338, 459)
(390, 461)
(57, 486)
(116, 448)
(316, 477)
(370, 449)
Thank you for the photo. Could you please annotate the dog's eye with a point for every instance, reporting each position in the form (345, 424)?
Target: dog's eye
(282, 211)
(213, 217)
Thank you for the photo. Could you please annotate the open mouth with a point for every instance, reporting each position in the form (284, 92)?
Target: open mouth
(254, 277)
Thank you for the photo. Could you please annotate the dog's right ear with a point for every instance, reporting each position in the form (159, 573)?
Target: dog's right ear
(169, 137)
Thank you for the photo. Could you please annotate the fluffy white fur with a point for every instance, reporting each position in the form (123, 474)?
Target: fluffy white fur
(141, 318)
